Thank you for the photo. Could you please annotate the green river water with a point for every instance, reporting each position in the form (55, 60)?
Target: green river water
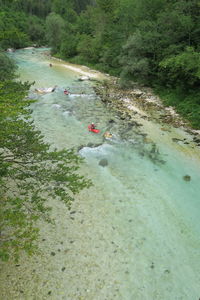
(135, 234)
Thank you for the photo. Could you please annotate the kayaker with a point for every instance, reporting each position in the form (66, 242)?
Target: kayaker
(66, 92)
(92, 126)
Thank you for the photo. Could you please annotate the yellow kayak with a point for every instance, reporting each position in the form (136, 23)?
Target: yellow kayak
(107, 134)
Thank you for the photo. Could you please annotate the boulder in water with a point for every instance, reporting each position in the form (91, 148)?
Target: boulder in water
(103, 162)
(10, 50)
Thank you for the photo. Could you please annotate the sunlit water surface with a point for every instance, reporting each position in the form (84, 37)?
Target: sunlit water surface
(135, 234)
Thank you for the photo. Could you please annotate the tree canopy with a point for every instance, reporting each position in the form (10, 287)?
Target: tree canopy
(131, 38)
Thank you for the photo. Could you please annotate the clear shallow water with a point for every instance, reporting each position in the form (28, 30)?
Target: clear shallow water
(135, 233)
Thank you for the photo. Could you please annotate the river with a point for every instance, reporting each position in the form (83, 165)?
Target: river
(135, 234)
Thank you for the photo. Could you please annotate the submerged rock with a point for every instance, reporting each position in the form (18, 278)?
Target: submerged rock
(187, 177)
(176, 140)
(148, 140)
(103, 162)
(111, 121)
(90, 145)
(196, 140)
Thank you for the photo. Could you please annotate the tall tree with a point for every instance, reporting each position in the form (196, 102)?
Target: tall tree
(29, 172)
(54, 31)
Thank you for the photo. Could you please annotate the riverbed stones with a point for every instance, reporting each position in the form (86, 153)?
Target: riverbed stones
(176, 140)
(137, 93)
(148, 140)
(103, 162)
(196, 140)
(165, 129)
(137, 100)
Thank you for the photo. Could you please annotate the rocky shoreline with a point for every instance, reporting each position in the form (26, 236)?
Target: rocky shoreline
(141, 102)
(128, 103)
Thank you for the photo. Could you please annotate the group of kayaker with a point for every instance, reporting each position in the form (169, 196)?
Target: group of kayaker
(92, 126)
(66, 92)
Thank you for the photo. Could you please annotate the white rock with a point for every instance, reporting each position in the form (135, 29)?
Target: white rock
(82, 78)
(10, 50)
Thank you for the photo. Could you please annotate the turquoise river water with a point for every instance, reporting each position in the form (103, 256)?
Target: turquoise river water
(135, 234)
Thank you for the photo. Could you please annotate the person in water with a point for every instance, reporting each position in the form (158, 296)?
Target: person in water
(50, 65)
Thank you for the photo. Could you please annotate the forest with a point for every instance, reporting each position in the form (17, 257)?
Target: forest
(152, 42)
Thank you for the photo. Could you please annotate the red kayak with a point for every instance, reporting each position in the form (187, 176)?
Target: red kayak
(93, 130)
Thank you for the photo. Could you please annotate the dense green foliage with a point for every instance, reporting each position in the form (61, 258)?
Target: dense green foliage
(29, 172)
(20, 30)
(187, 103)
(7, 67)
(153, 42)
